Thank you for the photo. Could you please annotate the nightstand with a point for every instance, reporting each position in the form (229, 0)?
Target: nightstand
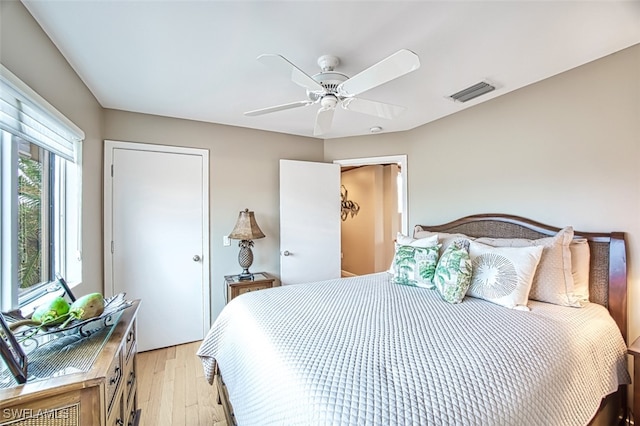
(634, 350)
(235, 287)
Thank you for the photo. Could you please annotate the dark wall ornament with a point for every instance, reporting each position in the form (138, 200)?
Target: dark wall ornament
(348, 206)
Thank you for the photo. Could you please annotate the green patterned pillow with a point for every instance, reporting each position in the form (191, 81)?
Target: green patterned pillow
(426, 262)
(453, 273)
(415, 265)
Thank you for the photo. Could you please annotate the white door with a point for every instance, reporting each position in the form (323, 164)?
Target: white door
(156, 238)
(309, 221)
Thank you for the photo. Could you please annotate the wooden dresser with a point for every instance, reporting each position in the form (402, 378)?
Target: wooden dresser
(104, 395)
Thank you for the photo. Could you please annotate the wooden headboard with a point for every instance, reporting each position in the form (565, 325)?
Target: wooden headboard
(608, 266)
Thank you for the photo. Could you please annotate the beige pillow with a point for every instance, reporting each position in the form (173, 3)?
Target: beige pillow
(553, 281)
(503, 275)
(403, 240)
(580, 263)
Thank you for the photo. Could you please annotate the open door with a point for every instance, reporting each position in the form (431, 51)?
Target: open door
(309, 221)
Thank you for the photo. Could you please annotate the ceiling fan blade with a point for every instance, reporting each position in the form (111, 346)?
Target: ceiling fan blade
(377, 109)
(400, 63)
(297, 75)
(277, 108)
(323, 121)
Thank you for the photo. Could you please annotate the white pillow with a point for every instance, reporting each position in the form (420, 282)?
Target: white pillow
(444, 238)
(580, 263)
(403, 240)
(503, 275)
(553, 281)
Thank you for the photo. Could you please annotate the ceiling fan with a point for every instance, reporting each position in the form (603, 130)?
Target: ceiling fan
(330, 88)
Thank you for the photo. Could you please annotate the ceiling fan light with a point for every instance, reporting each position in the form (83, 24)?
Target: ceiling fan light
(329, 101)
(472, 92)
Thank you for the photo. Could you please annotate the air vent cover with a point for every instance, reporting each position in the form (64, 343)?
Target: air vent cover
(472, 92)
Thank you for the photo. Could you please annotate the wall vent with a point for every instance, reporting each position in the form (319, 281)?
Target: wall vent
(472, 92)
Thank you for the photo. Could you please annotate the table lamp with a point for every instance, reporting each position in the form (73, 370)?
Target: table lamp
(246, 230)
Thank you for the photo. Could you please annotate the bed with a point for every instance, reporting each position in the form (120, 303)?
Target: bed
(366, 350)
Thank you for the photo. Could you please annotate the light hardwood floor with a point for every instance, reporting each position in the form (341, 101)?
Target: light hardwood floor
(172, 389)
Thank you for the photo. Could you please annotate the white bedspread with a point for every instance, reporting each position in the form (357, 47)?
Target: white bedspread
(364, 351)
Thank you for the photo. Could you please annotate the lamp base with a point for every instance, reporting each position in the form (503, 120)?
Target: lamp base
(245, 259)
(245, 276)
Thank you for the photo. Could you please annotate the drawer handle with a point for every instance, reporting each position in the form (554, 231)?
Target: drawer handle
(132, 377)
(119, 422)
(130, 336)
(114, 379)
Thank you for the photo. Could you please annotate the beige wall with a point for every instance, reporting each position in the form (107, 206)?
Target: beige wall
(564, 151)
(243, 173)
(29, 54)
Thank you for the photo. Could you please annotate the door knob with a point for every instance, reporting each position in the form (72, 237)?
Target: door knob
(286, 253)
(196, 258)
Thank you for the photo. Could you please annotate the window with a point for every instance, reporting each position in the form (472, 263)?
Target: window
(39, 195)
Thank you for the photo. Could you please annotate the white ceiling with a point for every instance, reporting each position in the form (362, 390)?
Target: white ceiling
(197, 59)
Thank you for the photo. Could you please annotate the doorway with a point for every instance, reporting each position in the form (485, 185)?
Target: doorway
(156, 236)
(374, 206)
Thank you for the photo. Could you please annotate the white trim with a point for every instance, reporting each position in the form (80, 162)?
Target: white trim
(8, 224)
(398, 159)
(109, 147)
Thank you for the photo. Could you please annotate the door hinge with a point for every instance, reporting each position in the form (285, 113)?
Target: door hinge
(112, 170)
(111, 246)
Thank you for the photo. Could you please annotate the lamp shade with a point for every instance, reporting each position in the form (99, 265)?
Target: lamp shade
(246, 227)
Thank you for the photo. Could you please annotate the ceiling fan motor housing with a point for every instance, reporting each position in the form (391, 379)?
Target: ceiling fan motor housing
(330, 81)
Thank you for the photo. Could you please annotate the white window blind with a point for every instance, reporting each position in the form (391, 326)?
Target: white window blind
(25, 113)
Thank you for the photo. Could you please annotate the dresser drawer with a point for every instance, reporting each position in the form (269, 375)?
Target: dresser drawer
(133, 413)
(130, 377)
(117, 413)
(130, 341)
(52, 411)
(113, 380)
(255, 287)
